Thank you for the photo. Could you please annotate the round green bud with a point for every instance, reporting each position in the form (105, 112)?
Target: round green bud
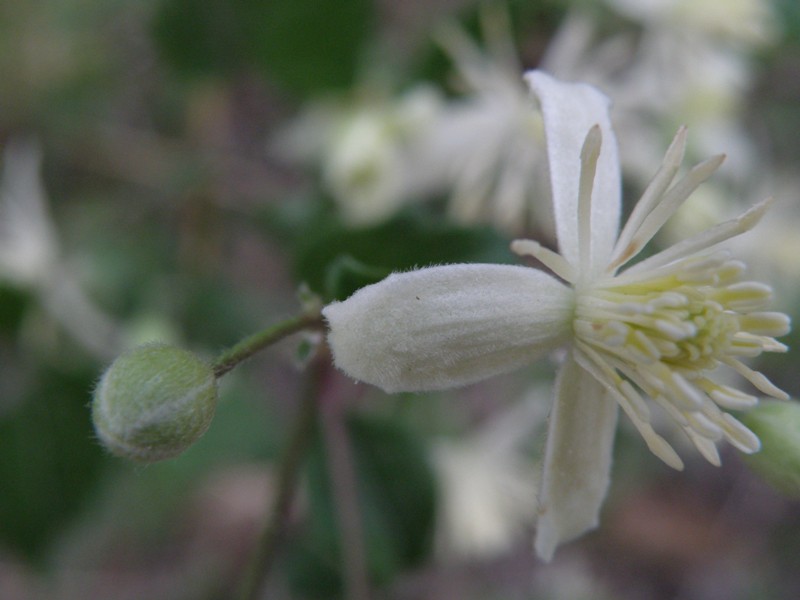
(777, 423)
(153, 402)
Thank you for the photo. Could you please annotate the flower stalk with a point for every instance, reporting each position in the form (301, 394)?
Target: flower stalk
(308, 319)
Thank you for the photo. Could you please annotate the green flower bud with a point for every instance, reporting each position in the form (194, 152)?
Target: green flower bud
(154, 402)
(777, 423)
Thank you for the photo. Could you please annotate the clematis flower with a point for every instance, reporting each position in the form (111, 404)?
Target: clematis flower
(636, 337)
(370, 150)
(488, 142)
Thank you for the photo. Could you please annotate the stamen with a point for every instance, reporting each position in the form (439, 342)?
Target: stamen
(744, 296)
(772, 324)
(660, 447)
(623, 251)
(688, 392)
(759, 380)
(602, 372)
(657, 444)
(731, 271)
(675, 331)
(702, 425)
(728, 397)
(669, 203)
(678, 416)
(589, 155)
(552, 260)
(705, 446)
(771, 345)
(739, 435)
(706, 239)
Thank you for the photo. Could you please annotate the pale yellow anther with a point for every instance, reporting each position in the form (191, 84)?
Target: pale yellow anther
(552, 260)
(773, 324)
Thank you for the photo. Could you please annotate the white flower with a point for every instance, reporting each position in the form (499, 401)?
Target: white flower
(656, 330)
(743, 21)
(488, 143)
(690, 60)
(370, 150)
(487, 497)
(28, 241)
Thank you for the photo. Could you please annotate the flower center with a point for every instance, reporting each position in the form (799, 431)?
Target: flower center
(680, 323)
(662, 332)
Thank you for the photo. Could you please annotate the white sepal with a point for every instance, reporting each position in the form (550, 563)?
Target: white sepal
(569, 111)
(448, 326)
(577, 460)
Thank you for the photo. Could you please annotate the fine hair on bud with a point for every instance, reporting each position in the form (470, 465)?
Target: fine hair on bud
(153, 402)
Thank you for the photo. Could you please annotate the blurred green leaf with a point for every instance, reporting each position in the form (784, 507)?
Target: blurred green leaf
(13, 302)
(309, 45)
(335, 260)
(788, 13)
(397, 502)
(304, 45)
(777, 424)
(346, 274)
(49, 460)
(201, 37)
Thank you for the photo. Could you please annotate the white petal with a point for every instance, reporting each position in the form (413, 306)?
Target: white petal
(570, 110)
(577, 459)
(448, 326)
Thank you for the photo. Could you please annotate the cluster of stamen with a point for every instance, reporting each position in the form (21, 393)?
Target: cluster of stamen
(662, 333)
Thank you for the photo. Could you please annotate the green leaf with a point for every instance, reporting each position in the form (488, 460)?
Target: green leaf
(13, 302)
(396, 500)
(777, 424)
(307, 45)
(346, 274)
(335, 260)
(49, 460)
(201, 37)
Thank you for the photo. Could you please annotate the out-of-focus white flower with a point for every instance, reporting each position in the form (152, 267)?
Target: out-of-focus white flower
(30, 253)
(483, 149)
(489, 142)
(746, 21)
(487, 494)
(688, 78)
(28, 241)
(370, 152)
(686, 62)
(658, 329)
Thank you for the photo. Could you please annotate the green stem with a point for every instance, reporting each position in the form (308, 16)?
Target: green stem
(258, 341)
(297, 447)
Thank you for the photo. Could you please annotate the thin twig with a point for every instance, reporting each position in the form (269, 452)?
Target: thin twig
(252, 344)
(299, 442)
(344, 485)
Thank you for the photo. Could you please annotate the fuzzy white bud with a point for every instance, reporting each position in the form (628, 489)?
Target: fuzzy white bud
(153, 402)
